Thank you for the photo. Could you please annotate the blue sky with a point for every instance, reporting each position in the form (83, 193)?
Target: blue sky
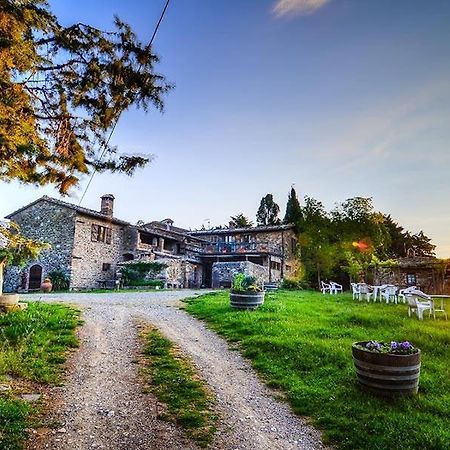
(340, 97)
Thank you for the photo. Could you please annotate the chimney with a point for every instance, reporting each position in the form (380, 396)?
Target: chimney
(107, 207)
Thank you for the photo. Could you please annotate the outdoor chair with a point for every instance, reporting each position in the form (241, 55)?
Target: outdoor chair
(418, 302)
(325, 288)
(364, 291)
(389, 293)
(355, 290)
(402, 292)
(335, 287)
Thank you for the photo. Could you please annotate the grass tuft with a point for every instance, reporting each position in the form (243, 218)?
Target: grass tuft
(174, 382)
(301, 343)
(33, 344)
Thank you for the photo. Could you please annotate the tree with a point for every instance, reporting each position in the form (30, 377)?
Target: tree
(16, 249)
(293, 209)
(62, 91)
(268, 212)
(240, 221)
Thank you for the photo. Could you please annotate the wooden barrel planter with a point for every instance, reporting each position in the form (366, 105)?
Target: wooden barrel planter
(9, 299)
(246, 300)
(385, 373)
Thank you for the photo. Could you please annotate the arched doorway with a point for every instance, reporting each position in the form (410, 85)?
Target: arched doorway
(35, 278)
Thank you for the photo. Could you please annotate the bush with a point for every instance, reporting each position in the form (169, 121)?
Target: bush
(59, 280)
(291, 283)
(141, 272)
(243, 283)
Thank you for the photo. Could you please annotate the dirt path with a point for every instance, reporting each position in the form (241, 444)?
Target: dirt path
(102, 405)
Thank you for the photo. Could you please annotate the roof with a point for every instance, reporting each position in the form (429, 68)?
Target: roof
(171, 233)
(77, 208)
(261, 229)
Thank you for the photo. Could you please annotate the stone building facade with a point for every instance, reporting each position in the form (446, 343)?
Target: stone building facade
(90, 247)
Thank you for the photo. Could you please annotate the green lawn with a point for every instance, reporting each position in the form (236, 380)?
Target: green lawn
(174, 382)
(33, 345)
(301, 343)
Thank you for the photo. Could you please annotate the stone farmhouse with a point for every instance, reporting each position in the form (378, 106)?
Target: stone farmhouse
(91, 246)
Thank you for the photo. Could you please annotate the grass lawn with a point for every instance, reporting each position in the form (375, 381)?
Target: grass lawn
(300, 342)
(33, 344)
(174, 382)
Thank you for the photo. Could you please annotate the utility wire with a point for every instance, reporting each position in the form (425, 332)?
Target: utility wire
(155, 31)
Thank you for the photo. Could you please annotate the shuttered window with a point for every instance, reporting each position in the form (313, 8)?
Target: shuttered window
(101, 234)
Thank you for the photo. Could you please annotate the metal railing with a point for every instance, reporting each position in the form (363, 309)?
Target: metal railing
(241, 247)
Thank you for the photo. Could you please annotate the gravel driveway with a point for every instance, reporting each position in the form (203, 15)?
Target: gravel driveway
(102, 404)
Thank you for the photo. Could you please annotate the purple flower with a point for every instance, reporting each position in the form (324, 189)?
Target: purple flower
(394, 345)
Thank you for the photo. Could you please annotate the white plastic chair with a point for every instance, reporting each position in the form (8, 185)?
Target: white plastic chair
(402, 292)
(389, 293)
(325, 288)
(355, 290)
(418, 302)
(364, 290)
(335, 287)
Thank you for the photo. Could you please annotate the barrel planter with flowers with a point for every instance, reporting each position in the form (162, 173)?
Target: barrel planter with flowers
(387, 369)
(245, 292)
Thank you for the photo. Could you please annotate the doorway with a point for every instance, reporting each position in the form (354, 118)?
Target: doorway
(35, 279)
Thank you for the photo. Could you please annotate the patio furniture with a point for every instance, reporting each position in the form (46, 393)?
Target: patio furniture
(364, 291)
(335, 287)
(325, 287)
(418, 302)
(377, 291)
(355, 290)
(441, 309)
(390, 293)
(402, 292)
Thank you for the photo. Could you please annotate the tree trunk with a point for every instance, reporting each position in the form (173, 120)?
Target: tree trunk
(2, 267)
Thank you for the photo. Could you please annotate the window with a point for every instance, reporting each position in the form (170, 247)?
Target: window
(100, 233)
(275, 265)
(411, 279)
(106, 267)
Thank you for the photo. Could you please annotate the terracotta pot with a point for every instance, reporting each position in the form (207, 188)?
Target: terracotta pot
(47, 285)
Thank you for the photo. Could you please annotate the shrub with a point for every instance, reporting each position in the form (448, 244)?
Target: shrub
(291, 283)
(59, 280)
(141, 271)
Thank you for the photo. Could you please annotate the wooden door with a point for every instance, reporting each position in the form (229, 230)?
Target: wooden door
(35, 279)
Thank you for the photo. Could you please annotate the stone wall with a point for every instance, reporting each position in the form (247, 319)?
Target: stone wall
(224, 272)
(89, 257)
(45, 222)
(181, 272)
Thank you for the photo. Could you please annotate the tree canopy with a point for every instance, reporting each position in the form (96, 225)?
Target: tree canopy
(268, 212)
(240, 221)
(62, 91)
(293, 210)
(16, 249)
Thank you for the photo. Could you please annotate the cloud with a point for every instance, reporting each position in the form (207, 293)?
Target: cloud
(297, 7)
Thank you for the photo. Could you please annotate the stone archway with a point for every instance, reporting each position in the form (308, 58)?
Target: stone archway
(35, 277)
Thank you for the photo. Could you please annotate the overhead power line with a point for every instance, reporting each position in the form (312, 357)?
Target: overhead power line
(155, 31)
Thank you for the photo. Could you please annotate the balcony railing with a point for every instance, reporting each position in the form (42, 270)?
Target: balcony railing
(241, 247)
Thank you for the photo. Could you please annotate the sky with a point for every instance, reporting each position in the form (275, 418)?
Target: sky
(341, 98)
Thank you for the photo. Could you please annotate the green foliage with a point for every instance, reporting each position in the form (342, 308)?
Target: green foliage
(244, 283)
(33, 344)
(240, 221)
(174, 382)
(293, 210)
(16, 249)
(268, 212)
(300, 342)
(141, 272)
(63, 88)
(59, 280)
(291, 284)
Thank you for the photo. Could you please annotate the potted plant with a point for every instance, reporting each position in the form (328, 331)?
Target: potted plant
(245, 292)
(387, 368)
